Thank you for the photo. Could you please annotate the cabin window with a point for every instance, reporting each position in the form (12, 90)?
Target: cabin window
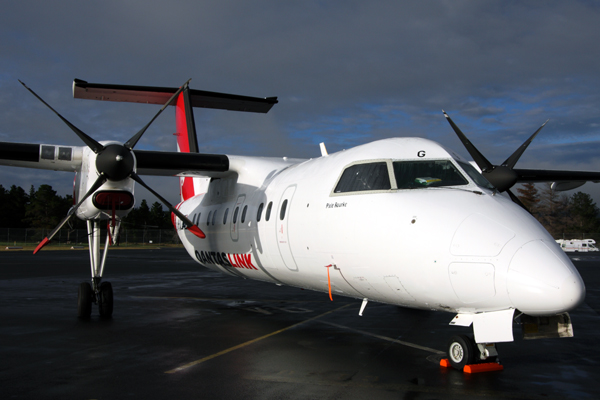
(259, 212)
(208, 219)
(235, 214)
(421, 174)
(364, 177)
(282, 211)
(47, 152)
(225, 216)
(65, 153)
(214, 218)
(244, 214)
(268, 213)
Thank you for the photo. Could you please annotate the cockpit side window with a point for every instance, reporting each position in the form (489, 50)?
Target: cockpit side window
(430, 173)
(475, 175)
(364, 177)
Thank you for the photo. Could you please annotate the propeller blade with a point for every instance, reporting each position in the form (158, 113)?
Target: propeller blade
(512, 160)
(189, 224)
(99, 182)
(518, 201)
(132, 142)
(481, 161)
(47, 239)
(90, 142)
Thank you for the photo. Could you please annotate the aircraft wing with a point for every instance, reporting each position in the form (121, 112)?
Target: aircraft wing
(545, 175)
(69, 158)
(41, 156)
(163, 163)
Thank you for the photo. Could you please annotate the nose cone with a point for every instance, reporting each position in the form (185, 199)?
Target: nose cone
(542, 280)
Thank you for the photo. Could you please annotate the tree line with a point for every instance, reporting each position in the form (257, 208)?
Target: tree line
(44, 208)
(561, 213)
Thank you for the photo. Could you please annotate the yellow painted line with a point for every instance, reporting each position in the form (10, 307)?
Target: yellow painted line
(389, 339)
(239, 346)
(248, 301)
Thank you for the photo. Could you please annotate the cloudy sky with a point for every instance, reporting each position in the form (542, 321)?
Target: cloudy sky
(345, 73)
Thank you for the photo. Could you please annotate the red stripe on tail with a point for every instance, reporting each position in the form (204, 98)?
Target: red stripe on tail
(183, 145)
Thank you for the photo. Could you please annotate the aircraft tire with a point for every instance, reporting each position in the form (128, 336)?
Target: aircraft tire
(105, 300)
(461, 351)
(84, 300)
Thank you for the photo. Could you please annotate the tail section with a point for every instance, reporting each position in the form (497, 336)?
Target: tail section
(186, 132)
(187, 141)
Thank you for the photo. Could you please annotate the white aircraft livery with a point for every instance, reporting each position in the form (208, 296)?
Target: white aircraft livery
(401, 221)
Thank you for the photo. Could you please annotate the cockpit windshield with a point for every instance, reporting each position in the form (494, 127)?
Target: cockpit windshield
(364, 177)
(421, 174)
(376, 176)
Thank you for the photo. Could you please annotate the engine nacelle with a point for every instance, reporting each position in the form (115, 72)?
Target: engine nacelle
(112, 195)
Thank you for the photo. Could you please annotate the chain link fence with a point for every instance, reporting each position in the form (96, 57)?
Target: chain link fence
(577, 235)
(67, 238)
(21, 237)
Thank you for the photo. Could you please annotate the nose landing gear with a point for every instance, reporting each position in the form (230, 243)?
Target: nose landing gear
(97, 292)
(467, 356)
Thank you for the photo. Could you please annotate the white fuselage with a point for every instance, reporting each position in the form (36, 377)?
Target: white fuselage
(462, 248)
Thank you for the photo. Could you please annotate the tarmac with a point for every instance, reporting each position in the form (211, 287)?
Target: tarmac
(180, 331)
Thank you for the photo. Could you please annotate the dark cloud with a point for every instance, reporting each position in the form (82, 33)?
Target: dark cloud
(346, 72)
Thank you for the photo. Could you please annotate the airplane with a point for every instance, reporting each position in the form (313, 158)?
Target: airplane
(401, 221)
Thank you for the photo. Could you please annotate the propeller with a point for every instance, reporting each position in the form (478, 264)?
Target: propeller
(115, 162)
(502, 176)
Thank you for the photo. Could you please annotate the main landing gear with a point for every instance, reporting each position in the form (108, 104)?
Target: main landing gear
(97, 292)
(463, 351)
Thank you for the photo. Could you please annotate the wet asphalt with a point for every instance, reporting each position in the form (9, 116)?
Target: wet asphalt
(180, 331)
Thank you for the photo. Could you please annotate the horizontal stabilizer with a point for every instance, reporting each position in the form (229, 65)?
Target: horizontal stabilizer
(160, 95)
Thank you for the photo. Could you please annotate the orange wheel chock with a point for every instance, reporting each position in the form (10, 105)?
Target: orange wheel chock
(474, 368)
(444, 362)
(485, 367)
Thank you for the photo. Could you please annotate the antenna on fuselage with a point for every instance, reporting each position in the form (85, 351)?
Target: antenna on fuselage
(323, 149)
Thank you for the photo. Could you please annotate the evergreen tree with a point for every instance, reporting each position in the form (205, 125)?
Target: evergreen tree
(158, 217)
(139, 217)
(45, 209)
(553, 211)
(529, 196)
(584, 213)
(17, 203)
(4, 206)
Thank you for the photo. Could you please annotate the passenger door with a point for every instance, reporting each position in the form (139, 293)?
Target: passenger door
(283, 216)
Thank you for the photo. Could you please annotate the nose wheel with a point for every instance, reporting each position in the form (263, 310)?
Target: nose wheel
(461, 351)
(103, 297)
(466, 355)
(84, 300)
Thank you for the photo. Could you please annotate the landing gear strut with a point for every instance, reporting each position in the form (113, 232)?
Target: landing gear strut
(97, 292)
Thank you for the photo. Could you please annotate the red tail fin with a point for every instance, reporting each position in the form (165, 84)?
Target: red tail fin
(186, 138)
